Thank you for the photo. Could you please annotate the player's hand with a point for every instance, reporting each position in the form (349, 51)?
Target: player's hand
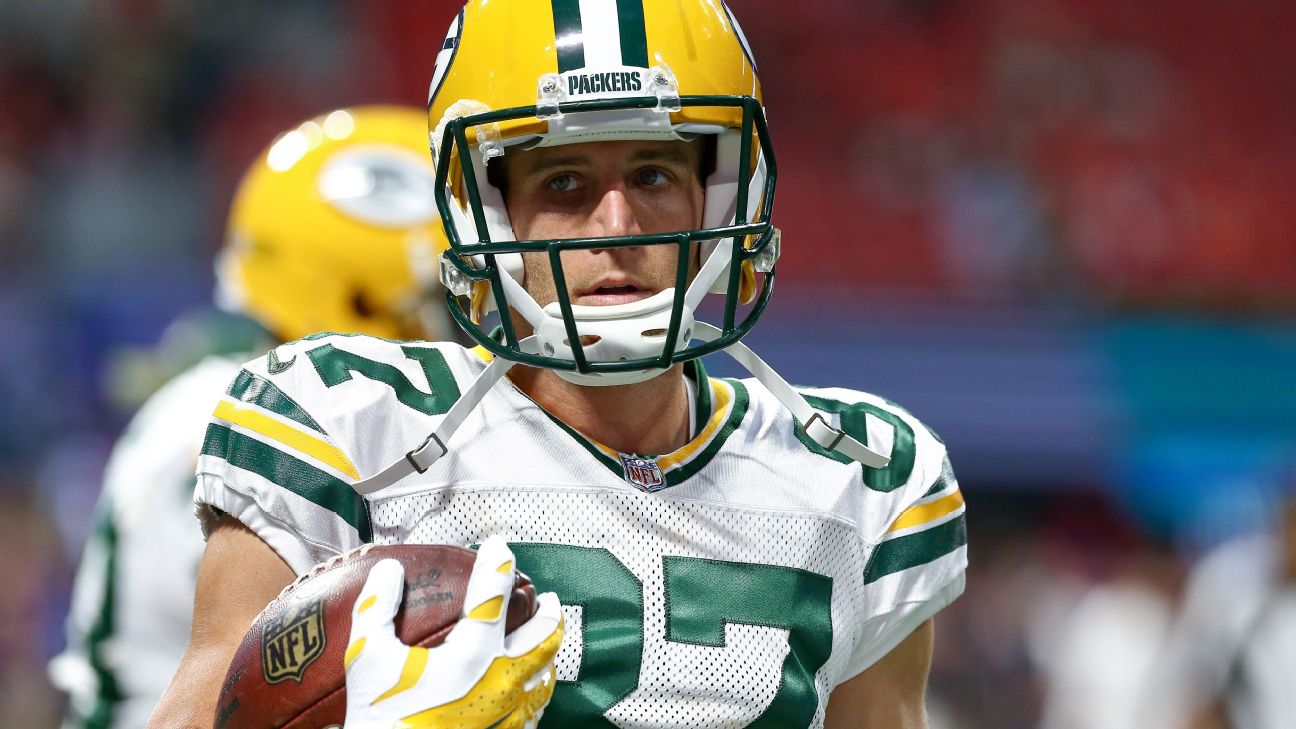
(479, 677)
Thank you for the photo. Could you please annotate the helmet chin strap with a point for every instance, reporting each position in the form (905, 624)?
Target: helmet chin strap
(811, 422)
(421, 459)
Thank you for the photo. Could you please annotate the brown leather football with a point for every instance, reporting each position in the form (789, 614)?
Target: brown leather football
(288, 671)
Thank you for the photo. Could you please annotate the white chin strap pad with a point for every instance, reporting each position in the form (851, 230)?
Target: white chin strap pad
(620, 332)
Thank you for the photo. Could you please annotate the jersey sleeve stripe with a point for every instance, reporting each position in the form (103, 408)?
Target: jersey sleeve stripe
(108, 693)
(262, 424)
(301, 478)
(931, 511)
(913, 550)
(249, 388)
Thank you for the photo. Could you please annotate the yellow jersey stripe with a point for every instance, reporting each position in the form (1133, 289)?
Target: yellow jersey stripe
(924, 513)
(273, 429)
(483, 353)
(722, 396)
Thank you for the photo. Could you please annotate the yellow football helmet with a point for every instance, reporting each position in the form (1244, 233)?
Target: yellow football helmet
(534, 73)
(335, 228)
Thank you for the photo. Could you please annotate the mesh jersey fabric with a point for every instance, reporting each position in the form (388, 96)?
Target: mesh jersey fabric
(735, 581)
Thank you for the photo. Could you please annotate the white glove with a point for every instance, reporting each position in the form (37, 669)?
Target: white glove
(478, 677)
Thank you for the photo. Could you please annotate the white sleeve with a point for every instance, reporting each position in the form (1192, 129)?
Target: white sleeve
(270, 464)
(917, 565)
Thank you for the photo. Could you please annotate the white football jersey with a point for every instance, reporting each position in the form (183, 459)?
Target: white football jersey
(734, 582)
(132, 602)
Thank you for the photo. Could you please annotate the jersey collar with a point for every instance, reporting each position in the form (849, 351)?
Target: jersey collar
(719, 408)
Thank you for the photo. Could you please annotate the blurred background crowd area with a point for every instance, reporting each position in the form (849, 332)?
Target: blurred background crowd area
(1060, 231)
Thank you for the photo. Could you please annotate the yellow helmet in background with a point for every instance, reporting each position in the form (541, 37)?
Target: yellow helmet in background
(540, 73)
(334, 228)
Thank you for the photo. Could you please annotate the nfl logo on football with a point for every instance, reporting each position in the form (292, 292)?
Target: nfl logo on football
(643, 473)
(292, 641)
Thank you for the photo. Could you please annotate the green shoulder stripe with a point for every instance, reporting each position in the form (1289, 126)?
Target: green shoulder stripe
(917, 549)
(297, 476)
(249, 388)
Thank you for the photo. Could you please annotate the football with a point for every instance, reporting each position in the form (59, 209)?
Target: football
(288, 670)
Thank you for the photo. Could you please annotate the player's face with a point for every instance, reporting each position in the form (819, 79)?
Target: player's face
(604, 189)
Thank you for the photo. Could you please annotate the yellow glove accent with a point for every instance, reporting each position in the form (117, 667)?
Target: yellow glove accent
(477, 678)
(503, 691)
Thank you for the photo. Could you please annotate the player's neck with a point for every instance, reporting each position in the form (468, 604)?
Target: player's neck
(650, 417)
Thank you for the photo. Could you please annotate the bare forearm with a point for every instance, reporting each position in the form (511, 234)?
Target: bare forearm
(190, 700)
(891, 694)
(238, 576)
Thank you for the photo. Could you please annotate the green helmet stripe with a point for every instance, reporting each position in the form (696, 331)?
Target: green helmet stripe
(625, 19)
(634, 34)
(569, 35)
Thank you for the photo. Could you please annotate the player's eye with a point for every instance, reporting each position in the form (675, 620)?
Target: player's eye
(563, 183)
(652, 177)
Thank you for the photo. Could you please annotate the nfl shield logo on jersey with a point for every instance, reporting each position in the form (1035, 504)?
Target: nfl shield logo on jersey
(642, 473)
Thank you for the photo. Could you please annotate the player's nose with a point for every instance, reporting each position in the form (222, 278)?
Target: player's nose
(614, 215)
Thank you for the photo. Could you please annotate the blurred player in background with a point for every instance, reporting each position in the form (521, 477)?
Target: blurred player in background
(331, 229)
(729, 552)
(1235, 645)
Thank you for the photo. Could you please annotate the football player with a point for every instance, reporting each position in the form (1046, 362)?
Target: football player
(1232, 652)
(332, 228)
(728, 552)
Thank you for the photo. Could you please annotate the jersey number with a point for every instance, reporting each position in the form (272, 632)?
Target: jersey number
(702, 596)
(336, 365)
